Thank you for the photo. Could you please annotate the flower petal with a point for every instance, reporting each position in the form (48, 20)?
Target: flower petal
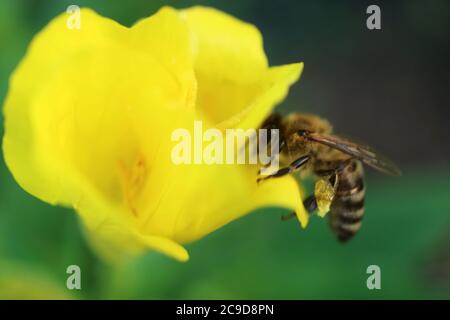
(86, 105)
(165, 37)
(233, 193)
(232, 70)
(229, 62)
(116, 243)
(274, 90)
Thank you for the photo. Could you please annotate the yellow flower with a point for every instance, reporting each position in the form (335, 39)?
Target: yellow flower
(90, 112)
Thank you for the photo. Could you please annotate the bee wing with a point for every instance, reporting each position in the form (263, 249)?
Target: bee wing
(360, 151)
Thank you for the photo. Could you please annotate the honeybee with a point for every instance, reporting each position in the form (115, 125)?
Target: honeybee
(307, 145)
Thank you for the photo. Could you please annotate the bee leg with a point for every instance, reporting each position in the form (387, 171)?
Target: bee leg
(272, 157)
(334, 179)
(294, 166)
(310, 205)
(335, 168)
(288, 216)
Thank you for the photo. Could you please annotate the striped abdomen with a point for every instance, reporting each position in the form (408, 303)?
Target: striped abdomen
(347, 208)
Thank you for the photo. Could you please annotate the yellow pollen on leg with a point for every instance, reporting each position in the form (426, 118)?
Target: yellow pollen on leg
(324, 193)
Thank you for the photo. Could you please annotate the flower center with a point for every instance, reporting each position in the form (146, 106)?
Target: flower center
(133, 178)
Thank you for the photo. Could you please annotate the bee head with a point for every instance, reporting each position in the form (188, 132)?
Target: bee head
(303, 142)
(297, 130)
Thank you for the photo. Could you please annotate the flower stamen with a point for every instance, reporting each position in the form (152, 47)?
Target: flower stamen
(133, 180)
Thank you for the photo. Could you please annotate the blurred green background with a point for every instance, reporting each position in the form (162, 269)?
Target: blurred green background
(386, 87)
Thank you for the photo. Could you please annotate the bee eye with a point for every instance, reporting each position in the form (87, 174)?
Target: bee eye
(303, 133)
